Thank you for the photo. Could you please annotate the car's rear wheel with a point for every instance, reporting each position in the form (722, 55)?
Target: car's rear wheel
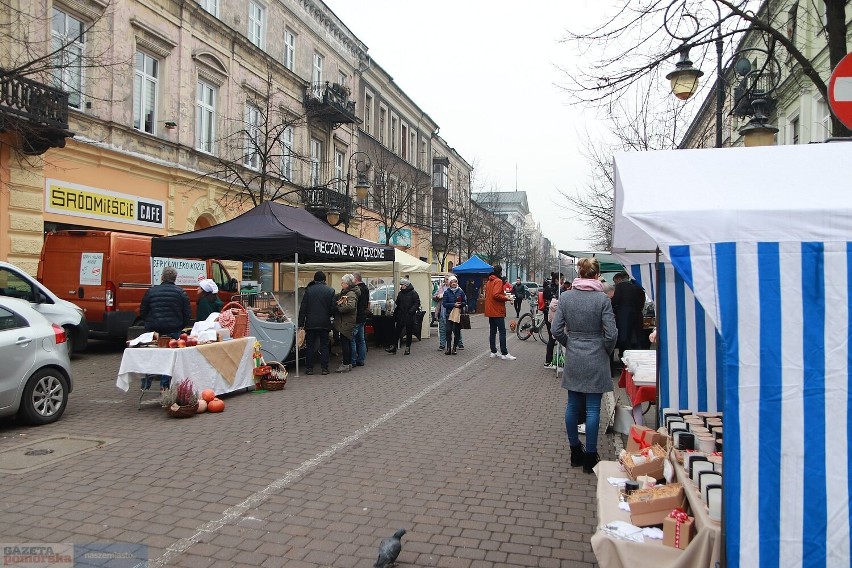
(45, 397)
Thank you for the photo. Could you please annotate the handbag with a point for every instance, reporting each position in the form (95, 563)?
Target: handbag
(465, 321)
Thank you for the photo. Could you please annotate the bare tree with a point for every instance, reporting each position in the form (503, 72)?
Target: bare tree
(47, 60)
(637, 41)
(638, 121)
(257, 158)
(398, 196)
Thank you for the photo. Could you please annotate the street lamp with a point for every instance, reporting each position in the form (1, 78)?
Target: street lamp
(755, 88)
(362, 187)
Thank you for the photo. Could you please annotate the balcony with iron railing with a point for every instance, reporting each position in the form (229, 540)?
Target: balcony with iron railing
(38, 112)
(330, 102)
(319, 200)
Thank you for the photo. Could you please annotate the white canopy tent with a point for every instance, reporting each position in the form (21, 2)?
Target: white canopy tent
(404, 265)
(761, 237)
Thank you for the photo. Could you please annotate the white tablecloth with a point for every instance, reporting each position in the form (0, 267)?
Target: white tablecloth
(190, 362)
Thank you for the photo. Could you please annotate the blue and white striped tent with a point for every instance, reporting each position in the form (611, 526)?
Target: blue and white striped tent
(691, 372)
(762, 238)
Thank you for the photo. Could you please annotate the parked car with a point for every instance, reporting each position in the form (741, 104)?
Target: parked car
(35, 379)
(15, 283)
(533, 288)
(379, 296)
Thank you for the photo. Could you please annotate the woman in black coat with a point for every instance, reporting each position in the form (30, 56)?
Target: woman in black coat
(407, 304)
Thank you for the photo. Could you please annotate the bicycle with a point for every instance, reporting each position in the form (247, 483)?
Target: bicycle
(532, 324)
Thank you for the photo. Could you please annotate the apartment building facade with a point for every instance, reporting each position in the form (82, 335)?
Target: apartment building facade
(795, 106)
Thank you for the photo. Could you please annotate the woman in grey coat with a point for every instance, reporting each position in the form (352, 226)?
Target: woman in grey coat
(584, 323)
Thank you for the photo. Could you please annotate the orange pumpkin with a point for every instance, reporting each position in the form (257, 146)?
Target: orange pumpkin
(208, 394)
(216, 405)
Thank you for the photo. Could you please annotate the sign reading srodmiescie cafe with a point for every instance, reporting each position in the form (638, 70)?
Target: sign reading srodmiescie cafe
(92, 203)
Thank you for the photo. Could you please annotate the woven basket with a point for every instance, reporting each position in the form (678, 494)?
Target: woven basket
(239, 327)
(183, 412)
(276, 378)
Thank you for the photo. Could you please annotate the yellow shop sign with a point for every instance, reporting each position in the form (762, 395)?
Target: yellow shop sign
(76, 200)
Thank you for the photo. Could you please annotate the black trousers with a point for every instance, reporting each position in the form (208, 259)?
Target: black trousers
(406, 329)
(453, 334)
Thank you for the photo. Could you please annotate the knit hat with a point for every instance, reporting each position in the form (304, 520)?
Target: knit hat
(452, 277)
(208, 286)
(405, 282)
(319, 276)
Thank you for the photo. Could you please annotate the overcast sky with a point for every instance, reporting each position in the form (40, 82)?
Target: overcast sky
(486, 72)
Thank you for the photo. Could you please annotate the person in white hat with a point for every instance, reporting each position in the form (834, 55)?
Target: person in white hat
(208, 300)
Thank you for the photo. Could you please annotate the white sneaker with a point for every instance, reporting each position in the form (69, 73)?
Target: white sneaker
(508, 357)
(494, 355)
(581, 428)
(549, 366)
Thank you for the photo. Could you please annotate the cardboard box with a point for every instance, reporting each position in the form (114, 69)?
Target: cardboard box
(670, 530)
(643, 437)
(651, 465)
(651, 506)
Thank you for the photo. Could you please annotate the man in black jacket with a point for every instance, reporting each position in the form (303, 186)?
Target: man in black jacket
(359, 342)
(165, 307)
(315, 317)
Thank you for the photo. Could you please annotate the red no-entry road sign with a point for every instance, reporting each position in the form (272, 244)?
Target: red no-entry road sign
(840, 91)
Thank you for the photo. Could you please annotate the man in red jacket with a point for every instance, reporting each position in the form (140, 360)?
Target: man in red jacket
(495, 311)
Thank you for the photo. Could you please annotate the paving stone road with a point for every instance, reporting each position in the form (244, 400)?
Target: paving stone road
(466, 452)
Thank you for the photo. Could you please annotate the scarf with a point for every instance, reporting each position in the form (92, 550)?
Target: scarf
(590, 284)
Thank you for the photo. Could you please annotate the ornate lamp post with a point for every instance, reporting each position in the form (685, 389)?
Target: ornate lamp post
(754, 91)
(362, 187)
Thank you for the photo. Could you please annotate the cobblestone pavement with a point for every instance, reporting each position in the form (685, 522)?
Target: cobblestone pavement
(466, 452)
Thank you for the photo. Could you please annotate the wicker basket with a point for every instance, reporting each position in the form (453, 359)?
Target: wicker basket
(240, 325)
(276, 378)
(183, 412)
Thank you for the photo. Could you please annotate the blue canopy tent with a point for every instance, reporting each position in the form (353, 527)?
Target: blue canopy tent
(766, 254)
(473, 270)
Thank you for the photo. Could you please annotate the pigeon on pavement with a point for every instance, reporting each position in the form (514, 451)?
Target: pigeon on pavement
(389, 549)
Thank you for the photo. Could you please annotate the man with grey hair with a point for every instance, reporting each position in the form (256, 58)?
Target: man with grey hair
(165, 307)
(359, 341)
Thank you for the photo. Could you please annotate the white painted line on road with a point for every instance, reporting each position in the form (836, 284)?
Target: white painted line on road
(233, 513)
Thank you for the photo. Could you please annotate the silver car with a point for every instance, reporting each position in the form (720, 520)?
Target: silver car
(35, 378)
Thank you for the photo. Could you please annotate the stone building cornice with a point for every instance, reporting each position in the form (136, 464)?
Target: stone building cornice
(332, 24)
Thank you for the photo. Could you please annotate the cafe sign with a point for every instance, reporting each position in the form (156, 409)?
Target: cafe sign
(76, 200)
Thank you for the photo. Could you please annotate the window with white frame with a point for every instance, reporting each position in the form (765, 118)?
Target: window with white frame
(316, 71)
(404, 147)
(439, 175)
(412, 147)
(256, 16)
(145, 92)
(383, 119)
(205, 117)
(287, 140)
(342, 79)
(211, 6)
(316, 161)
(251, 156)
(339, 159)
(822, 121)
(368, 113)
(290, 50)
(67, 43)
(794, 130)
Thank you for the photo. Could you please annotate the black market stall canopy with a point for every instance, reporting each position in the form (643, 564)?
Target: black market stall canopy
(272, 232)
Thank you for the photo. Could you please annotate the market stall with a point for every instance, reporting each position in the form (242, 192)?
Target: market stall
(761, 238)
(473, 270)
(225, 366)
(273, 232)
(403, 265)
